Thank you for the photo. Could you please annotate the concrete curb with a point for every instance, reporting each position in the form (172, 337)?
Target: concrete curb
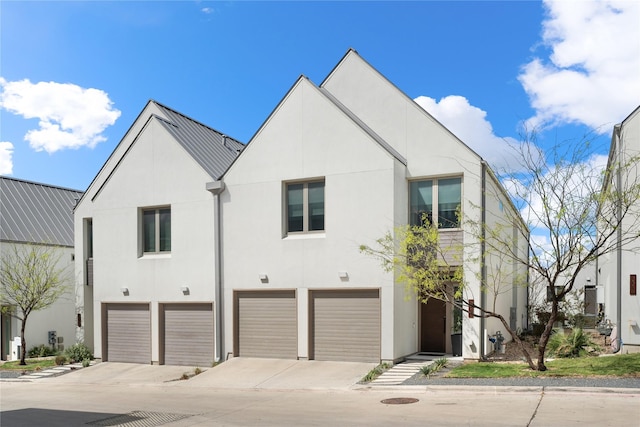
(495, 389)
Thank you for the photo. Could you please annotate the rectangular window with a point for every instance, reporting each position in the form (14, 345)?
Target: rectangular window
(305, 207)
(421, 202)
(448, 202)
(156, 230)
(446, 194)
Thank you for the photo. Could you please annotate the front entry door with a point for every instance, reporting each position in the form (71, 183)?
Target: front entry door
(433, 316)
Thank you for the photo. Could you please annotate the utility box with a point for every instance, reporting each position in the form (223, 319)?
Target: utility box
(16, 347)
(53, 338)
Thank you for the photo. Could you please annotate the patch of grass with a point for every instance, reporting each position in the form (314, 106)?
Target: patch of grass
(31, 365)
(375, 372)
(622, 365)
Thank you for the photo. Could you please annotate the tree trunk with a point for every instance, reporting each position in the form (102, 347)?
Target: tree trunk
(546, 334)
(23, 342)
(517, 339)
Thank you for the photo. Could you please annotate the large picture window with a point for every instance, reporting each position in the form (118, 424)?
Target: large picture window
(445, 193)
(305, 206)
(156, 230)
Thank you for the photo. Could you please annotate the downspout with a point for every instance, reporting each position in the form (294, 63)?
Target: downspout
(215, 188)
(483, 269)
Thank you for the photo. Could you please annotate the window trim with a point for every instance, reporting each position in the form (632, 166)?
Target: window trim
(156, 210)
(435, 206)
(305, 206)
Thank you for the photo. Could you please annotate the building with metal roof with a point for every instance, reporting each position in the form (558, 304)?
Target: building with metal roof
(40, 214)
(146, 230)
(32, 212)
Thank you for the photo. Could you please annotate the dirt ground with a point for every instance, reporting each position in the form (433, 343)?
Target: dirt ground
(514, 353)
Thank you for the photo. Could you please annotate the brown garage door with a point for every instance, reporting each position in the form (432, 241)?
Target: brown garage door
(128, 333)
(266, 324)
(187, 334)
(345, 325)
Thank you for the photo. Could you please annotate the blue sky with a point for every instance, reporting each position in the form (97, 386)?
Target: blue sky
(74, 75)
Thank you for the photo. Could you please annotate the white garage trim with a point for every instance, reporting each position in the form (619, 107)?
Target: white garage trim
(265, 324)
(126, 332)
(187, 334)
(345, 325)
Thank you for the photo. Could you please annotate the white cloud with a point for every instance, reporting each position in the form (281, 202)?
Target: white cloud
(469, 123)
(6, 161)
(207, 10)
(69, 116)
(592, 75)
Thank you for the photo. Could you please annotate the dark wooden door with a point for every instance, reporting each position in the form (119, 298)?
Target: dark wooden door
(433, 316)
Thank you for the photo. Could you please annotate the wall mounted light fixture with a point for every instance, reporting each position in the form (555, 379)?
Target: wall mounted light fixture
(124, 290)
(185, 290)
(264, 278)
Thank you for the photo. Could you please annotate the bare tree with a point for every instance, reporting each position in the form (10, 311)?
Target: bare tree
(30, 280)
(565, 195)
(567, 198)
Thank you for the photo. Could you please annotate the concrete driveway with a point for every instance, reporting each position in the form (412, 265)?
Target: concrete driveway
(236, 373)
(281, 374)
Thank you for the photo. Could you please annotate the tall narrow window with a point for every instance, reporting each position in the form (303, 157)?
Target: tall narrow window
(421, 202)
(305, 207)
(448, 202)
(156, 230)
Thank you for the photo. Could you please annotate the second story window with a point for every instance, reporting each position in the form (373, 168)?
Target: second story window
(305, 206)
(425, 195)
(156, 230)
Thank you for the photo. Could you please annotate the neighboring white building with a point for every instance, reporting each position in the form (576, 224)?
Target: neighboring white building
(619, 270)
(333, 167)
(264, 248)
(34, 213)
(146, 237)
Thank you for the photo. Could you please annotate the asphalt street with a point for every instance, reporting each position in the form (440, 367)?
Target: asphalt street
(278, 393)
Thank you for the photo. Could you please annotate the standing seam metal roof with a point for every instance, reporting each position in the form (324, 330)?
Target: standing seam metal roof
(213, 150)
(36, 213)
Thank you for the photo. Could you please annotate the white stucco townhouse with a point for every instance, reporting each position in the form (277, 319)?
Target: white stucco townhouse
(146, 241)
(263, 258)
(335, 166)
(618, 271)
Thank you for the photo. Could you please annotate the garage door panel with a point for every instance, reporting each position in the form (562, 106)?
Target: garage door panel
(266, 324)
(188, 334)
(346, 325)
(128, 333)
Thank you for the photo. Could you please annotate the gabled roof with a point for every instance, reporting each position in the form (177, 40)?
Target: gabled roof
(352, 53)
(213, 150)
(36, 213)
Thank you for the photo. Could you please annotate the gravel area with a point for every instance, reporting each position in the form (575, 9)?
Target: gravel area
(10, 374)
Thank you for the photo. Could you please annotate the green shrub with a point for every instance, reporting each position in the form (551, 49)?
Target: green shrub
(86, 363)
(61, 360)
(574, 344)
(375, 372)
(41, 351)
(78, 352)
(434, 367)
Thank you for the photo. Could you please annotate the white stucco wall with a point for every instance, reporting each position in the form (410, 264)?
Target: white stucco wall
(308, 137)
(615, 282)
